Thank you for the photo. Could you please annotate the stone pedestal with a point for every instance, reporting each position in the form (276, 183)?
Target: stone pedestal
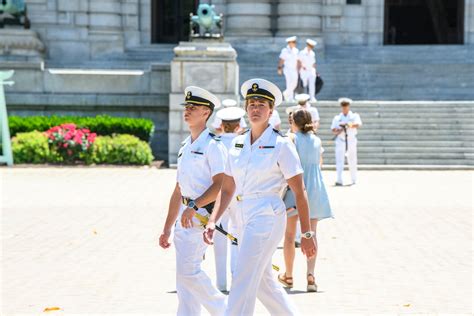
(301, 18)
(210, 65)
(248, 18)
(20, 44)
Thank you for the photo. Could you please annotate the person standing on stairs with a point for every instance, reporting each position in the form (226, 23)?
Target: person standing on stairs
(288, 65)
(307, 68)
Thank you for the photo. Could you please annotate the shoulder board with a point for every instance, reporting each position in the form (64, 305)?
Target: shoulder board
(279, 133)
(215, 137)
(246, 131)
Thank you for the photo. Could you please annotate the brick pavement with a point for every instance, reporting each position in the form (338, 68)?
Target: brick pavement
(84, 239)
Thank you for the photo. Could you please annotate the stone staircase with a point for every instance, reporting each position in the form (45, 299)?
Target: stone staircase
(376, 73)
(404, 133)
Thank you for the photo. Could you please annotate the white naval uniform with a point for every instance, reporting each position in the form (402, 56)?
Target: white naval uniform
(274, 118)
(308, 75)
(260, 171)
(198, 162)
(290, 70)
(313, 111)
(340, 142)
(231, 223)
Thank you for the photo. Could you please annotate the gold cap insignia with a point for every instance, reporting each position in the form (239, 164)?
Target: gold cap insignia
(188, 95)
(254, 87)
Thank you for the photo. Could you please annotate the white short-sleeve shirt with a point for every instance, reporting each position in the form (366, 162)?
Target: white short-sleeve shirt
(313, 111)
(351, 117)
(264, 166)
(198, 162)
(307, 58)
(227, 139)
(290, 56)
(275, 118)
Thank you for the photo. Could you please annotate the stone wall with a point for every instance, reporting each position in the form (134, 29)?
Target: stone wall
(39, 91)
(86, 29)
(353, 23)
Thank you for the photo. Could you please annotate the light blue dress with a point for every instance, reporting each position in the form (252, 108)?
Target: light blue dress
(309, 150)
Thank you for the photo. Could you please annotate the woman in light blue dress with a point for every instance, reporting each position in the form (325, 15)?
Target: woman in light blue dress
(310, 150)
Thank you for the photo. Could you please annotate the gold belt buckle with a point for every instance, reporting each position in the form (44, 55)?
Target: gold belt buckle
(239, 198)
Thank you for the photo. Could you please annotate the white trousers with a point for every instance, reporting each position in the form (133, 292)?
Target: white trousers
(291, 78)
(351, 158)
(308, 77)
(194, 287)
(230, 222)
(264, 222)
(220, 253)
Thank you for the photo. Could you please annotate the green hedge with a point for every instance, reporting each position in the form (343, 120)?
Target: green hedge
(33, 147)
(102, 125)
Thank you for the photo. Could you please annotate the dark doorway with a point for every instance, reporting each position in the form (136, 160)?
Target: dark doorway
(424, 22)
(170, 20)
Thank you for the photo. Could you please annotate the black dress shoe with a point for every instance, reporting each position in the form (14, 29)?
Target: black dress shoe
(338, 184)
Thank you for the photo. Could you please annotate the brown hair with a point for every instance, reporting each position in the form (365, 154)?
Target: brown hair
(270, 103)
(230, 126)
(303, 120)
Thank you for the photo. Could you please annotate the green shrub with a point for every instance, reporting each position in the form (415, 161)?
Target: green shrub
(32, 147)
(103, 125)
(120, 149)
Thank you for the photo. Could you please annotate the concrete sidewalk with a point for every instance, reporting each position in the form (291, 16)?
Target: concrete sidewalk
(85, 240)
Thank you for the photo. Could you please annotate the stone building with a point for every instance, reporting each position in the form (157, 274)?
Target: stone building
(88, 57)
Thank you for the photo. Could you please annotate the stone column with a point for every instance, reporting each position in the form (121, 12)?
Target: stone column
(248, 18)
(208, 64)
(105, 27)
(131, 22)
(469, 22)
(299, 17)
(374, 12)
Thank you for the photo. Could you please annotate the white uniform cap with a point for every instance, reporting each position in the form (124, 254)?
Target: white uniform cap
(302, 98)
(311, 42)
(291, 109)
(261, 88)
(232, 113)
(199, 96)
(229, 102)
(344, 100)
(291, 39)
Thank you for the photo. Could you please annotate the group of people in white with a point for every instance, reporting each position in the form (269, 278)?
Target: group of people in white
(253, 185)
(294, 64)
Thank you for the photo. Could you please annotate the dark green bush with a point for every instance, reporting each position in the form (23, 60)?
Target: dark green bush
(33, 147)
(103, 125)
(120, 150)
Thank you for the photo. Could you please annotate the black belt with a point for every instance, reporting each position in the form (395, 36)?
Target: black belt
(209, 207)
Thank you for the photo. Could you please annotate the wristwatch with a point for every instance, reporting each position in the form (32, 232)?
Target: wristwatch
(193, 205)
(308, 235)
